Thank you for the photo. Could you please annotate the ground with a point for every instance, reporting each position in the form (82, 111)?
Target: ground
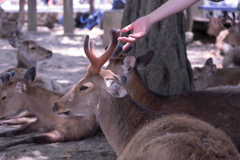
(67, 67)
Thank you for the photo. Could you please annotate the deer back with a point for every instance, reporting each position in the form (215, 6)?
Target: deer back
(126, 124)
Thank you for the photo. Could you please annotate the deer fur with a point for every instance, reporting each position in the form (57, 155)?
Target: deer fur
(135, 132)
(28, 51)
(8, 26)
(38, 101)
(209, 76)
(210, 107)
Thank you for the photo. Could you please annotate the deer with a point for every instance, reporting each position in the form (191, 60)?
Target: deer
(8, 26)
(28, 54)
(48, 126)
(28, 51)
(210, 107)
(215, 26)
(53, 127)
(132, 130)
(210, 76)
(228, 43)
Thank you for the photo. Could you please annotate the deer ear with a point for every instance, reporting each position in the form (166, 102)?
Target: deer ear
(21, 87)
(14, 40)
(116, 89)
(209, 62)
(128, 63)
(211, 70)
(144, 60)
(30, 74)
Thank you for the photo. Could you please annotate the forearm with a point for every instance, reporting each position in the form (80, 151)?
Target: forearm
(169, 8)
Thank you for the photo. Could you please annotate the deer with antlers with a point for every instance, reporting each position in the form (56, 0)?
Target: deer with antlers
(213, 108)
(133, 131)
(38, 101)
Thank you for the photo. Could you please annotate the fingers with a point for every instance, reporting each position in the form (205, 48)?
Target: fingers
(137, 35)
(127, 39)
(127, 28)
(126, 46)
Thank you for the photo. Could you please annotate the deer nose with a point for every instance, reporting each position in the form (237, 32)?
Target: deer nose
(49, 54)
(54, 107)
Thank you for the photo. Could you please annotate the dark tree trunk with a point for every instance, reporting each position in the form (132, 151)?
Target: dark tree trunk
(170, 71)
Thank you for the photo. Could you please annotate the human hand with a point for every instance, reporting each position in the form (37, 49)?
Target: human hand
(140, 28)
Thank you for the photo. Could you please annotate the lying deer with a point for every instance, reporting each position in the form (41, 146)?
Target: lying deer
(228, 43)
(8, 26)
(209, 76)
(38, 101)
(135, 132)
(219, 109)
(215, 26)
(28, 54)
(28, 51)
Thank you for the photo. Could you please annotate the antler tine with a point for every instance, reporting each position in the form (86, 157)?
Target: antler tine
(97, 62)
(91, 57)
(116, 52)
(115, 33)
(92, 49)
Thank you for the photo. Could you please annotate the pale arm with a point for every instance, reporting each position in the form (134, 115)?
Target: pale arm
(143, 24)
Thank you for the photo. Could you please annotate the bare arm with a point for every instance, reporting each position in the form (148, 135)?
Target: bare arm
(143, 24)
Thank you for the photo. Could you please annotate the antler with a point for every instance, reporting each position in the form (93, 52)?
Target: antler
(119, 52)
(96, 61)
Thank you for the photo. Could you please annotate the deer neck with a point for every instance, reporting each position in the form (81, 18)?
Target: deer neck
(41, 102)
(120, 119)
(22, 62)
(140, 93)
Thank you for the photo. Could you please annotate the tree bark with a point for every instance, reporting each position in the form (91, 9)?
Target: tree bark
(170, 71)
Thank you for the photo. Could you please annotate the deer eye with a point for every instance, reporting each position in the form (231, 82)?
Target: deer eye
(33, 48)
(3, 98)
(83, 88)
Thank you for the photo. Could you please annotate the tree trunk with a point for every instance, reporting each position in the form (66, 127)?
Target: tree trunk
(21, 15)
(170, 71)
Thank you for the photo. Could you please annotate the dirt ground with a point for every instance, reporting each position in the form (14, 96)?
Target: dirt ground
(67, 67)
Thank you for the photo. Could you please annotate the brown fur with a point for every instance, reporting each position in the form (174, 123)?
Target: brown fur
(135, 132)
(52, 127)
(209, 76)
(138, 133)
(8, 27)
(214, 108)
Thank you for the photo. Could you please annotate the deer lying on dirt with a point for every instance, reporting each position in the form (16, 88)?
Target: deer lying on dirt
(38, 101)
(28, 54)
(28, 51)
(228, 43)
(135, 132)
(209, 76)
(214, 108)
(215, 26)
(8, 26)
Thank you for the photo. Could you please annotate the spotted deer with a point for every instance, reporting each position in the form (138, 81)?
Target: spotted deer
(220, 107)
(133, 131)
(210, 76)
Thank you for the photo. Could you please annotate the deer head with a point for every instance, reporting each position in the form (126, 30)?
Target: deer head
(96, 84)
(29, 52)
(9, 94)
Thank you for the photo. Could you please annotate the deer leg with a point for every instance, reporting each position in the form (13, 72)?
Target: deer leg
(18, 121)
(50, 137)
(27, 128)
(25, 113)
